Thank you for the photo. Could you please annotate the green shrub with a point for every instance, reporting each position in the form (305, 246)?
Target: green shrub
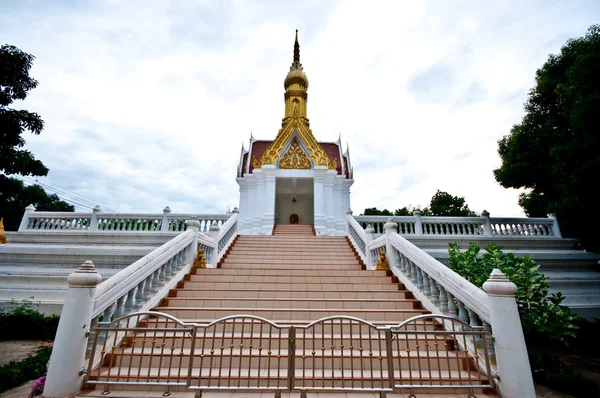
(14, 373)
(544, 319)
(22, 322)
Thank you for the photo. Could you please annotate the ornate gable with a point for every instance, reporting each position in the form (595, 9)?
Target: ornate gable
(295, 158)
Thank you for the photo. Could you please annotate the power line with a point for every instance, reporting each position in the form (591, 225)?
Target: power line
(67, 196)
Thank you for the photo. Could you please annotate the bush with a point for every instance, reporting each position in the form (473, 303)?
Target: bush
(14, 373)
(22, 322)
(545, 321)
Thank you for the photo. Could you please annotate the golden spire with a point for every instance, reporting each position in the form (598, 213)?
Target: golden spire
(296, 85)
(296, 50)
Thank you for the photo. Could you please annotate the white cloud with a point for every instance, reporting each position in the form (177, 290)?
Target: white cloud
(146, 104)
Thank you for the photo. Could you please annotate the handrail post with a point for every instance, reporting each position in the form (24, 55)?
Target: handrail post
(418, 222)
(555, 227)
(291, 357)
(390, 228)
(237, 223)
(369, 235)
(515, 379)
(94, 220)
(348, 213)
(25, 220)
(164, 225)
(68, 354)
(390, 358)
(214, 234)
(194, 225)
(487, 227)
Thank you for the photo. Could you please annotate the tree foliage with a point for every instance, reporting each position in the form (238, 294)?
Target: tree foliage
(555, 151)
(15, 84)
(442, 204)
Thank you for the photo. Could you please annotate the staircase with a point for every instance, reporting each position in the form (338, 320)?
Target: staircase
(290, 278)
(294, 229)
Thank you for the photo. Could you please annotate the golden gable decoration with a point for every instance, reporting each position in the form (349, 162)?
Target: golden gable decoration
(295, 158)
(316, 153)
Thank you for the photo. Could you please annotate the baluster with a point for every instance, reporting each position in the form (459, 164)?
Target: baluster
(139, 295)
(129, 301)
(425, 282)
(169, 270)
(155, 281)
(161, 275)
(419, 279)
(474, 322)
(119, 308)
(443, 300)
(148, 287)
(108, 313)
(413, 273)
(462, 312)
(451, 305)
(433, 292)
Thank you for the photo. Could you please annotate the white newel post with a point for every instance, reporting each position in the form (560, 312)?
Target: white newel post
(370, 235)
(260, 201)
(555, 227)
(252, 205)
(25, 220)
(340, 210)
(164, 226)
(194, 225)
(268, 216)
(320, 218)
(346, 193)
(348, 213)
(487, 227)
(214, 234)
(418, 223)
(94, 221)
(329, 201)
(237, 224)
(514, 371)
(243, 204)
(68, 354)
(390, 228)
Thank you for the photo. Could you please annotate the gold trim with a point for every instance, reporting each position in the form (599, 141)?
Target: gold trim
(295, 158)
(256, 164)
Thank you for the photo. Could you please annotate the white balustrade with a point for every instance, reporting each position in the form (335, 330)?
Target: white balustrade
(465, 226)
(357, 236)
(96, 220)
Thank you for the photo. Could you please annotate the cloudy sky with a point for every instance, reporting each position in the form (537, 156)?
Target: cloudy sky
(147, 103)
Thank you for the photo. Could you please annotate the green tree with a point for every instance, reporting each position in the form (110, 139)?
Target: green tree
(555, 151)
(444, 204)
(15, 83)
(374, 211)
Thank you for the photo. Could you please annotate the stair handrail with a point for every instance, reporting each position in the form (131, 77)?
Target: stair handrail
(227, 233)
(357, 236)
(112, 289)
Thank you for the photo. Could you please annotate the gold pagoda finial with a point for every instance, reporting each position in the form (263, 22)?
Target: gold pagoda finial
(296, 49)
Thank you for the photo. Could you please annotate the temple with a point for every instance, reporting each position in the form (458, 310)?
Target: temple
(294, 179)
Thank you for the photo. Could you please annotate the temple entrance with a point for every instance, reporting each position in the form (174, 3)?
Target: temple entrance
(294, 201)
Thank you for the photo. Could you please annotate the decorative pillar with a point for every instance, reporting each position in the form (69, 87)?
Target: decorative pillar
(418, 223)
(194, 225)
(214, 234)
(555, 227)
(94, 221)
(329, 201)
(338, 206)
(487, 227)
(68, 354)
(346, 193)
(164, 225)
(25, 220)
(268, 217)
(390, 229)
(370, 235)
(243, 204)
(252, 205)
(260, 204)
(510, 349)
(320, 219)
(348, 213)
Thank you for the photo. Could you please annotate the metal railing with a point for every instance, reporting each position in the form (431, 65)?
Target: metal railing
(337, 353)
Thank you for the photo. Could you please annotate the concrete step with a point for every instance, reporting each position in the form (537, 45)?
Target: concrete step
(274, 293)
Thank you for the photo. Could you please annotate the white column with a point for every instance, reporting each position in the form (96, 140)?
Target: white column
(25, 220)
(68, 355)
(243, 215)
(194, 225)
(320, 218)
(214, 232)
(94, 221)
(329, 201)
(370, 234)
(260, 201)
(268, 218)
(252, 198)
(338, 206)
(346, 194)
(555, 226)
(509, 343)
(418, 223)
(390, 228)
(164, 225)
(487, 227)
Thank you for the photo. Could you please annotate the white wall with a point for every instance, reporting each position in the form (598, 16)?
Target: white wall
(303, 207)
